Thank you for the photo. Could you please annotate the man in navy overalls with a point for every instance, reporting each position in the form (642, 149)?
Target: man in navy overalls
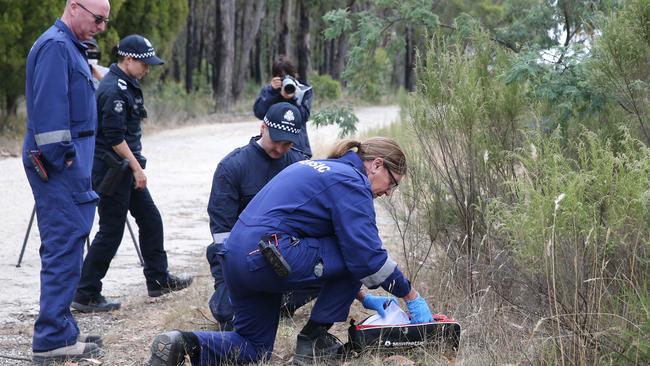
(60, 135)
(237, 179)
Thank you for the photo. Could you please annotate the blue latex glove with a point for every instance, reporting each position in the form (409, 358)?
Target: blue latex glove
(419, 310)
(377, 303)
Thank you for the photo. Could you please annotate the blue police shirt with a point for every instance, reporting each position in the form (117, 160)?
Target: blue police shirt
(238, 177)
(269, 96)
(121, 110)
(60, 97)
(329, 198)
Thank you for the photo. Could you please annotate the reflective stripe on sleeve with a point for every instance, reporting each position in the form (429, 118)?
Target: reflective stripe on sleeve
(220, 238)
(380, 276)
(53, 137)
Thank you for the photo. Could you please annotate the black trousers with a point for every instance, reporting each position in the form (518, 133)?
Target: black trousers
(112, 219)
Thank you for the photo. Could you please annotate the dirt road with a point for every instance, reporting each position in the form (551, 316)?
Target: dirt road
(179, 169)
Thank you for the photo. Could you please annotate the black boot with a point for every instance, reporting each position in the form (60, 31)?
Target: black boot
(173, 283)
(97, 304)
(317, 347)
(168, 349)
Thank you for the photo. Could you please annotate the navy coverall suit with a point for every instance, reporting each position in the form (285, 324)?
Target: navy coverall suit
(121, 110)
(269, 96)
(61, 122)
(322, 212)
(238, 177)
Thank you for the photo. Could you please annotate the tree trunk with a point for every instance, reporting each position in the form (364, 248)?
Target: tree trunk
(284, 27)
(224, 54)
(409, 60)
(256, 69)
(251, 18)
(190, 52)
(302, 41)
(342, 49)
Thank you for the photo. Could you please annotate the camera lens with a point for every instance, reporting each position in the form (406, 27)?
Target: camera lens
(289, 88)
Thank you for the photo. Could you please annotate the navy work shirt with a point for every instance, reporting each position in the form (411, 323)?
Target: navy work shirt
(238, 177)
(121, 110)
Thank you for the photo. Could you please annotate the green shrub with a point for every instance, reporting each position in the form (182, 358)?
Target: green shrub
(369, 80)
(325, 88)
(168, 104)
(579, 225)
(344, 117)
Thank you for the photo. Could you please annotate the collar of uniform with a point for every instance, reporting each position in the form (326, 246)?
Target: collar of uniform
(117, 71)
(353, 159)
(258, 148)
(64, 28)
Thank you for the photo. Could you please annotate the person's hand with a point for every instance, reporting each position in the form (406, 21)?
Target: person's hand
(419, 310)
(276, 82)
(377, 303)
(140, 179)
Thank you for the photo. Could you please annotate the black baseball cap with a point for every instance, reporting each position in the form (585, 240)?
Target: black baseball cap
(284, 122)
(139, 48)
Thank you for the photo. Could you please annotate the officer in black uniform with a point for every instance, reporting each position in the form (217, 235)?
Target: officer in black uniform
(118, 176)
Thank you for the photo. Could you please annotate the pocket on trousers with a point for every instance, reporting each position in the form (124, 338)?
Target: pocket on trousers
(255, 261)
(81, 198)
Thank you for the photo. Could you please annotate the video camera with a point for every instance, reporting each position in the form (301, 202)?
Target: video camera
(289, 85)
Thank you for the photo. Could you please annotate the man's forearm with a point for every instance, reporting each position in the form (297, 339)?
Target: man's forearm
(123, 150)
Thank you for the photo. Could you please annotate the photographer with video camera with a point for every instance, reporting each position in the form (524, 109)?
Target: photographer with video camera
(285, 87)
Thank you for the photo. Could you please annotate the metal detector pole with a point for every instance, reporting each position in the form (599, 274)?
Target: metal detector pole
(135, 242)
(29, 228)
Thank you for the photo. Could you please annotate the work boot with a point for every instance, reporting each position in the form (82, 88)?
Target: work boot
(75, 352)
(90, 338)
(98, 304)
(167, 349)
(322, 349)
(173, 283)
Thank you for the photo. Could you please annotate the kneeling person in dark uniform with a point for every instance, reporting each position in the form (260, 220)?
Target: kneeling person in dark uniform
(118, 176)
(237, 179)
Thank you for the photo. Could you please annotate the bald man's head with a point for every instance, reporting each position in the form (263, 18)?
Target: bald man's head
(86, 18)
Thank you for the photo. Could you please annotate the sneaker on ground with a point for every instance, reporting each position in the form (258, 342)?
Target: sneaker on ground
(167, 349)
(173, 283)
(323, 349)
(75, 352)
(98, 304)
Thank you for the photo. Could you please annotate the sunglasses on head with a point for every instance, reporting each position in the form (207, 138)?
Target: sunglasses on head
(98, 18)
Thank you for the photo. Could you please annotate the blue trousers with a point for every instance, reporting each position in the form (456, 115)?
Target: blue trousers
(64, 221)
(256, 294)
(219, 302)
(112, 219)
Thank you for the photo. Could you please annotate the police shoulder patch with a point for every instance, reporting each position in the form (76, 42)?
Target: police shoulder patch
(118, 106)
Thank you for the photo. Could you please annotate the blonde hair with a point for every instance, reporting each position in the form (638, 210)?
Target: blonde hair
(372, 148)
